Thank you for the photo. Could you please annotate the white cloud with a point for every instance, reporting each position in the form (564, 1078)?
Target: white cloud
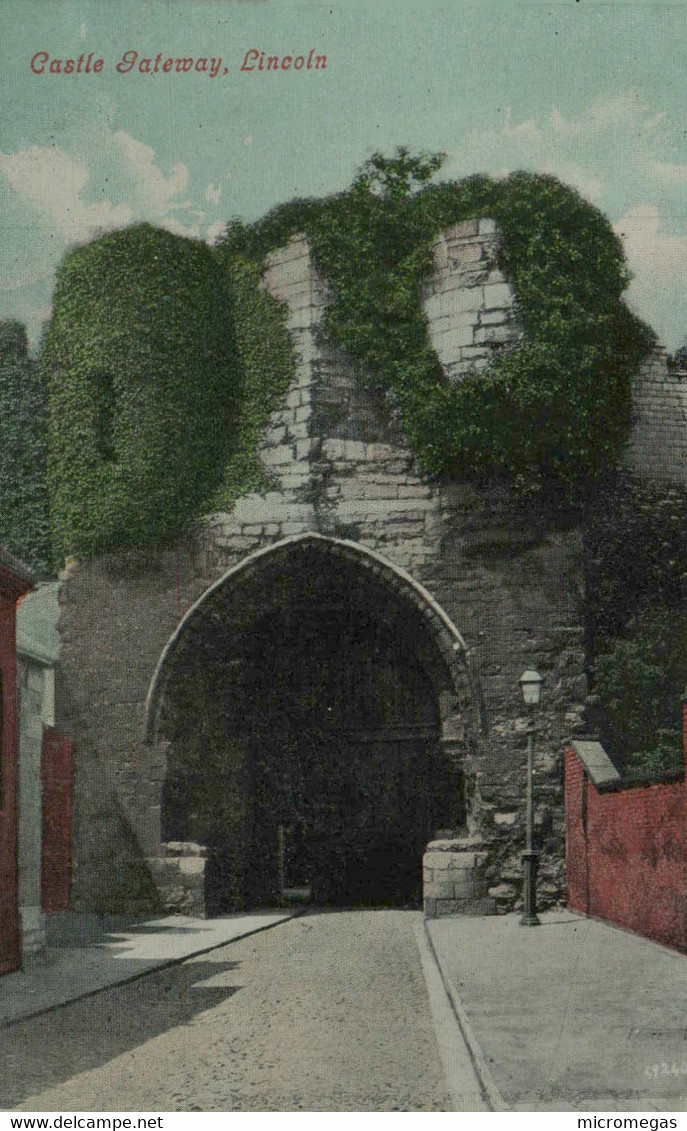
(659, 265)
(112, 181)
(9, 282)
(213, 194)
(52, 182)
(550, 146)
(191, 231)
(604, 152)
(154, 193)
(625, 156)
(650, 254)
(669, 172)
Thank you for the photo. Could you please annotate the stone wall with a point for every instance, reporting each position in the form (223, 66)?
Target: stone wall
(657, 449)
(509, 578)
(469, 303)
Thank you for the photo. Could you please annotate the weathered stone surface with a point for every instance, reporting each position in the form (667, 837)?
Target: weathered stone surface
(506, 579)
(657, 448)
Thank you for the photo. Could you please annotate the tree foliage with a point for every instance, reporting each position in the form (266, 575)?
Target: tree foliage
(635, 553)
(635, 556)
(640, 681)
(23, 493)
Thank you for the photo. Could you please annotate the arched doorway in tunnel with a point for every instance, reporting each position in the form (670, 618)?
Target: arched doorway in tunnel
(303, 707)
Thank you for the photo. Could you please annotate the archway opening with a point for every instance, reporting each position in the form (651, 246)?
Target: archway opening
(302, 707)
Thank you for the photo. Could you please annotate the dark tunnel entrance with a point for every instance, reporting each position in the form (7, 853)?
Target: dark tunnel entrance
(303, 715)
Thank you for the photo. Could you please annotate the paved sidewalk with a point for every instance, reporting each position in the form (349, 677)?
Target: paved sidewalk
(573, 1015)
(87, 953)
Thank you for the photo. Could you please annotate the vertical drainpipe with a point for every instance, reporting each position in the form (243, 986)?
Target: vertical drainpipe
(585, 787)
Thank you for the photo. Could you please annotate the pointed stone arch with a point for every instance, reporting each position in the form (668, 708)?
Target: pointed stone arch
(237, 708)
(447, 636)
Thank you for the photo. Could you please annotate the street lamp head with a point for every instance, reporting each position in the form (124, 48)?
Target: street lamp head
(530, 683)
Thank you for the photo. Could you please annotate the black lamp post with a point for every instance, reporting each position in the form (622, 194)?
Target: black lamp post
(530, 683)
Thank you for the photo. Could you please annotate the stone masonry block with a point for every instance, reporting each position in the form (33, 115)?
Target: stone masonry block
(497, 295)
(465, 255)
(299, 430)
(494, 334)
(381, 451)
(447, 304)
(461, 320)
(442, 887)
(279, 455)
(448, 345)
(303, 449)
(295, 528)
(464, 885)
(471, 354)
(192, 865)
(494, 317)
(461, 230)
(304, 318)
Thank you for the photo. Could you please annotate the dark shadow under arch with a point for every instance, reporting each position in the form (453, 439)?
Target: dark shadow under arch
(303, 698)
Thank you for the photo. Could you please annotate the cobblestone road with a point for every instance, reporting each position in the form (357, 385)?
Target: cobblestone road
(328, 1012)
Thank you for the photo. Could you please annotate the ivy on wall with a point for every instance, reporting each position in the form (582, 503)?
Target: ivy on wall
(640, 681)
(164, 358)
(635, 557)
(268, 364)
(635, 554)
(23, 494)
(143, 378)
(556, 406)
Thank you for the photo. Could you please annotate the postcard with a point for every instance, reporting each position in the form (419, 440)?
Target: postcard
(343, 497)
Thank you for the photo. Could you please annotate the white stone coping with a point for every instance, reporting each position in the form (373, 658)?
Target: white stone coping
(596, 762)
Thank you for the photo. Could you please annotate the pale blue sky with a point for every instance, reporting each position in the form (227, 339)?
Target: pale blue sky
(593, 92)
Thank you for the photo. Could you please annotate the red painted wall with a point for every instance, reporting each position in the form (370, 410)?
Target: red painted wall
(626, 854)
(12, 585)
(57, 780)
(9, 908)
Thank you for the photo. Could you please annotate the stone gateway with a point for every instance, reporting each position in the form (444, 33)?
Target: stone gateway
(313, 688)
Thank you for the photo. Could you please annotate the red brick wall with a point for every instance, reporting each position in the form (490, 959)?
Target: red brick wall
(625, 854)
(57, 779)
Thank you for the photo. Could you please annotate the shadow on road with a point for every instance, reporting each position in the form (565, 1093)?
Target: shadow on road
(46, 1050)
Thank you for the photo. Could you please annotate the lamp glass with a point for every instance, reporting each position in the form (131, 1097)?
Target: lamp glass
(530, 682)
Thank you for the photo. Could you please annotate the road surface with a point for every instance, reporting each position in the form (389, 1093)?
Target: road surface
(327, 1012)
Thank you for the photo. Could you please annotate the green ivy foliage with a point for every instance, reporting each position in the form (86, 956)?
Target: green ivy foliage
(24, 523)
(640, 681)
(553, 408)
(268, 364)
(635, 554)
(143, 379)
